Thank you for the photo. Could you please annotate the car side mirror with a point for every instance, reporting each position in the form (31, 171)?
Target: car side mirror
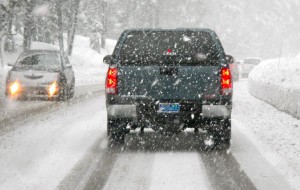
(10, 64)
(107, 60)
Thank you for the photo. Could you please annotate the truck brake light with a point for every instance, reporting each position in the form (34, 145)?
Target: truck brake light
(112, 80)
(226, 81)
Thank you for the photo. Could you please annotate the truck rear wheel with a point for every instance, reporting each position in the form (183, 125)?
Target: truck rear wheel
(222, 134)
(115, 131)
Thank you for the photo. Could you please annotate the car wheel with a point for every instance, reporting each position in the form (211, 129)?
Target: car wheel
(222, 134)
(71, 91)
(115, 131)
(62, 95)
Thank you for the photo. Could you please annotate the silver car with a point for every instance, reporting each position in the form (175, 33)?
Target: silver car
(41, 73)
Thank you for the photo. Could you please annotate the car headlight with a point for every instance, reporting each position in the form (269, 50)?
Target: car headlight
(14, 88)
(53, 88)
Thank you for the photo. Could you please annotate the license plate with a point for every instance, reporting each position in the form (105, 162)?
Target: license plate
(169, 107)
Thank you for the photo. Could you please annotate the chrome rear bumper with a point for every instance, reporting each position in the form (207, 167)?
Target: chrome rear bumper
(130, 111)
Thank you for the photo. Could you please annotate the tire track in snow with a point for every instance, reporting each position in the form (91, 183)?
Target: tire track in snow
(93, 170)
(153, 161)
(132, 170)
(224, 171)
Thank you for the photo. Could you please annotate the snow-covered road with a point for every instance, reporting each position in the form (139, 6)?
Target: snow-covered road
(65, 147)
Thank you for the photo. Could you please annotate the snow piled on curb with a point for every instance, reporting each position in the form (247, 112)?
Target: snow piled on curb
(277, 82)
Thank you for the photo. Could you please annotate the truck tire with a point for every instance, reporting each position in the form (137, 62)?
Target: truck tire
(115, 131)
(222, 135)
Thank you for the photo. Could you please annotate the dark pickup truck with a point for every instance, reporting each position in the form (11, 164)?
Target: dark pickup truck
(168, 80)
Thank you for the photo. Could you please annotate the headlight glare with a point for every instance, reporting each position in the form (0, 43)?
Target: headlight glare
(14, 88)
(53, 89)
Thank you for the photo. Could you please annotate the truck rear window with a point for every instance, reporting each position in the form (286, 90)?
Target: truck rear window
(169, 47)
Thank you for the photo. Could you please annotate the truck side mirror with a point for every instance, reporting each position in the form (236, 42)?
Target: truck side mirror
(229, 59)
(107, 60)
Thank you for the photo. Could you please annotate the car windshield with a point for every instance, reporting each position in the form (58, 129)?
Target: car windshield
(40, 61)
(159, 47)
(252, 61)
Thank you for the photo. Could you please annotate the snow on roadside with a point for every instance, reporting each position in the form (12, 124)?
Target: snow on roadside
(274, 133)
(110, 45)
(277, 82)
(87, 63)
(283, 72)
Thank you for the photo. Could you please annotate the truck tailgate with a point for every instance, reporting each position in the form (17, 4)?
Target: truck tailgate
(169, 82)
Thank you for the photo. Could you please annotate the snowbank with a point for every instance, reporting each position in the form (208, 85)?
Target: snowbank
(110, 45)
(278, 83)
(87, 63)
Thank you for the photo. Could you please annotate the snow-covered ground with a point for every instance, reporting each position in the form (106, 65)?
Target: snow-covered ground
(277, 82)
(274, 133)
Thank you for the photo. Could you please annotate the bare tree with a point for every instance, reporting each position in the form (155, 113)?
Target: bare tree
(60, 25)
(6, 23)
(3, 24)
(3, 14)
(10, 45)
(96, 12)
(73, 24)
(28, 24)
(104, 23)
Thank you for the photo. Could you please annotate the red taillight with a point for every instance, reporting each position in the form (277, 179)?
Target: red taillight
(226, 83)
(112, 81)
